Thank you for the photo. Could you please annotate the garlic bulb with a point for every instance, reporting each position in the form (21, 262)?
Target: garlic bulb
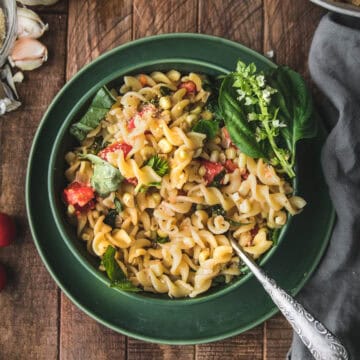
(28, 54)
(37, 2)
(29, 24)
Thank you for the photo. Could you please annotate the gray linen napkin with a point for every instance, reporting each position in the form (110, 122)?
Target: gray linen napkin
(333, 292)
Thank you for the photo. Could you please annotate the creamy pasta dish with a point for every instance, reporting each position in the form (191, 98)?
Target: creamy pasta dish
(156, 184)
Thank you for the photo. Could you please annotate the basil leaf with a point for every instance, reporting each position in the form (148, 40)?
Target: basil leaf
(164, 91)
(218, 280)
(241, 131)
(208, 127)
(106, 178)
(160, 166)
(118, 205)
(97, 110)
(110, 218)
(145, 188)
(114, 272)
(162, 240)
(217, 210)
(295, 106)
(218, 179)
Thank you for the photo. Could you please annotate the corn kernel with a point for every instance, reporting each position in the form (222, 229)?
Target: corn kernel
(242, 161)
(162, 233)
(182, 155)
(206, 115)
(165, 146)
(222, 158)
(190, 119)
(165, 102)
(71, 209)
(230, 153)
(202, 171)
(128, 200)
(217, 140)
(156, 197)
(196, 110)
(173, 75)
(214, 157)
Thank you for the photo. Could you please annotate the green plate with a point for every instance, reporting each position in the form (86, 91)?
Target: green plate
(172, 322)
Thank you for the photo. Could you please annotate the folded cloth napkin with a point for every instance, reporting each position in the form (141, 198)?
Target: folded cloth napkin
(333, 292)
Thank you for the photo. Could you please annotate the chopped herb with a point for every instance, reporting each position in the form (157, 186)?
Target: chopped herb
(235, 223)
(217, 210)
(160, 166)
(218, 280)
(106, 178)
(154, 101)
(162, 240)
(217, 182)
(118, 205)
(114, 272)
(165, 91)
(145, 188)
(110, 218)
(100, 105)
(208, 127)
(98, 145)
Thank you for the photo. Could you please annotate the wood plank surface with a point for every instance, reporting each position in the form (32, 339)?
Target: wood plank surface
(240, 21)
(29, 304)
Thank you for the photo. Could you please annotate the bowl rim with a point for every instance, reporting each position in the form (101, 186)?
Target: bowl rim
(78, 301)
(59, 217)
(339, 7)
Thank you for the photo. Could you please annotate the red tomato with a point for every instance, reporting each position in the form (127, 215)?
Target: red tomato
(254, 231)
(2, 277)
(131, 123)
(226, 137)
(212, 169)
(114, 147)
(7, 230)
(143, 80)
(230, 166)
(189, 86)
(245, 175)
(133, 181)
(79, 195)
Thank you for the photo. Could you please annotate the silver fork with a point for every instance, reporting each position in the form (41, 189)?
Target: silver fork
(322, 344)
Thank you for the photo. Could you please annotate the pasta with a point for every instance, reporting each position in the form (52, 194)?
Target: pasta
(182, 191)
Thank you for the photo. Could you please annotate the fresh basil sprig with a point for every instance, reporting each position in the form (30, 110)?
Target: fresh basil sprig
(106, 178)
(97, 110)
(267, 113)
(110, 217)
(114, 272)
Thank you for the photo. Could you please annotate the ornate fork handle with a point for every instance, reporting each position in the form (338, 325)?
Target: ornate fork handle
(322, 344)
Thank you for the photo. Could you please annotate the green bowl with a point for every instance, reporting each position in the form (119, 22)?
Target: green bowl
(57, 182)
(240, 305)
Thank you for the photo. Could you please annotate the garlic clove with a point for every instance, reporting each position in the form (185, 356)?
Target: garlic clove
(28, 54)
(37, 2)
(30, 24)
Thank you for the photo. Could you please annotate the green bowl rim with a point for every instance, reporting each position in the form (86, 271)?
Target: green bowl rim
(293, 291)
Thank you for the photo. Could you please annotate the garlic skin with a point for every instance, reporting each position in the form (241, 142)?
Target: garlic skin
(38, 2)
(30, 24)
(28, 54)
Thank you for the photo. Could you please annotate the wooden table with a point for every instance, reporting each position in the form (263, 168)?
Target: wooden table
(37, 321)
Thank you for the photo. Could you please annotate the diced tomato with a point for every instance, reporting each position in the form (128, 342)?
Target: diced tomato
(230, 166)
(80, 196)
(212, 169)
(245, 175)
(114, 147)
(188, 85)
(133, 181)
(131, 123)
(254, 231)
(143, 80)
(226, 137)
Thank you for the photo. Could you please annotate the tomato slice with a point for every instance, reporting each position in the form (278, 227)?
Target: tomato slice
(212, 169)
(79, 195)
(230, 166)
(188, 85)
(227, 137)
(126, 148)
(131, 123)
(133, 181)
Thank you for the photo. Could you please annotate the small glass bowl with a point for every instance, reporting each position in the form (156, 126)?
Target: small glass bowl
(9, 9)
